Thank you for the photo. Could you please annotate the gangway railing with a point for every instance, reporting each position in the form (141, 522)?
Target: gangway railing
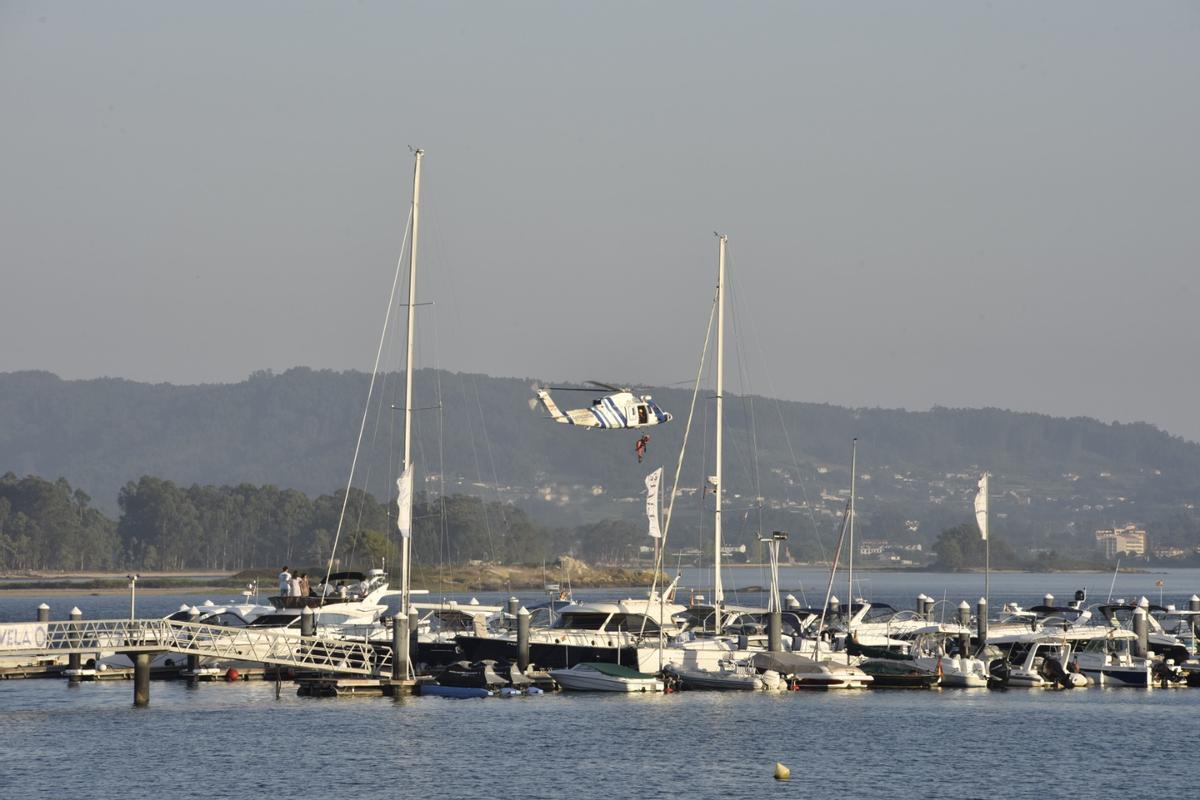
(288, 649)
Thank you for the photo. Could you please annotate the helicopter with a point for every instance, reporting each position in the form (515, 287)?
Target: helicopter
(621, 410)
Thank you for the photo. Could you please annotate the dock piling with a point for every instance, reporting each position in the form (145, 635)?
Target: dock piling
(141, 679)
(399, 647)
(775, 631)
(74, 659)
(1141, 628)
(193, 661)
(308, 622)
(414, 619)
(964, 619)
(981, 621)
(43, 613)
(523, 639)
(1194, 605)
(924, 606)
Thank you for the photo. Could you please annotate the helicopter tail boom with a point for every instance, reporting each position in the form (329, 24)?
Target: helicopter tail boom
(551, 407)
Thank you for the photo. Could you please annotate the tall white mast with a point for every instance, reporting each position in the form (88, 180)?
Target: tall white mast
(718, 589)
(850, 567)
(406, 557)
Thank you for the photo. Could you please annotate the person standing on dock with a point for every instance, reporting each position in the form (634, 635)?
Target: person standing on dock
(285, 581)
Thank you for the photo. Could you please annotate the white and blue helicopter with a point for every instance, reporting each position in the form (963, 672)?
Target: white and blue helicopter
(621, 410)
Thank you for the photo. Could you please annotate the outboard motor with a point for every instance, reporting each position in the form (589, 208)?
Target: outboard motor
(998, 673)
(518, 679)
(1053, 671)
(1165, 671)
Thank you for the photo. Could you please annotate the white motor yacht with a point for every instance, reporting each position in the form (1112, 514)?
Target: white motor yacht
(625, 632)
(1106, 657)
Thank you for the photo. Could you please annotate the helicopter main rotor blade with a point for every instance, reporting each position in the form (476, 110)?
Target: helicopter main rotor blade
(608, 386)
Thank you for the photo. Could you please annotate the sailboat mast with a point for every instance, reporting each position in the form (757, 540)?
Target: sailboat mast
(718, 589)
(850, 554)
(987, 553)
(406, 557)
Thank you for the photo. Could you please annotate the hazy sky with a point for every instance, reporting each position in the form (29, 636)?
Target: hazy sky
(950, 203)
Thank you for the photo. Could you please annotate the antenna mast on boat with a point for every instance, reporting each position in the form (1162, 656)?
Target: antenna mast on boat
(406, 541)
(850, 553)
(718, 589)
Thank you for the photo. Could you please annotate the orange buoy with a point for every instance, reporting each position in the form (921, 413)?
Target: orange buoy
(232, 675)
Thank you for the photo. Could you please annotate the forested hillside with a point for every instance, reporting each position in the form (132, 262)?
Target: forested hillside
(1055, 480)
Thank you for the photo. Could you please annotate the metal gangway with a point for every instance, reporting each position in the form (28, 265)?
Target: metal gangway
(133, 636)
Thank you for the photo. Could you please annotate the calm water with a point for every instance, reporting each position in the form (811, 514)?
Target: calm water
(239, 740)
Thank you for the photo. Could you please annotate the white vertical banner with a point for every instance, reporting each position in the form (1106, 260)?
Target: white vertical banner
(981, 506)
(652, 481)
(404, 502)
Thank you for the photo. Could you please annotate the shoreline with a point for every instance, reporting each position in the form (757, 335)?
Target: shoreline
(476, 578)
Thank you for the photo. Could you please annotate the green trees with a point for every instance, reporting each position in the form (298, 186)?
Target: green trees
(164, 526)
(961, 547)
(45, 525)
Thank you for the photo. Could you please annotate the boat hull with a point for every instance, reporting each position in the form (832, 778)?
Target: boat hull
(547, 655)
(434, 690)
(579, 682)
(1117, 676)
(703, 679)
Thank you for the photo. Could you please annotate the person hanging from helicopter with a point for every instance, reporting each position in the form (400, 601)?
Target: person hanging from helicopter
(640, 447)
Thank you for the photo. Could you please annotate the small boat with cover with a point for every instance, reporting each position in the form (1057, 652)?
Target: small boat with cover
(605, 677)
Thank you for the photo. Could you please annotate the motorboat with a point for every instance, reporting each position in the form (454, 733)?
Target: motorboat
(1035, 660)
(728, 676)
(231, 615)
(1106, 657)
(356, 598)
(801, 672)
(890, 673)
(439, 626)
(626, 632)
(479, 674)
(602, 676)
(1163, 644)
(939, 650)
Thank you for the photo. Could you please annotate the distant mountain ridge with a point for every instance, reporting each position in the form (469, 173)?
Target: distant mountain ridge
(297, 429)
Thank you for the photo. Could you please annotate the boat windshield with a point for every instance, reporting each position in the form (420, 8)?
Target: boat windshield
(634, 623)
(275, 621)
(880, 612)
(582, 620)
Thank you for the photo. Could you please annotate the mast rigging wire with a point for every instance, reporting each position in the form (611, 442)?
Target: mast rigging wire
(367, 406)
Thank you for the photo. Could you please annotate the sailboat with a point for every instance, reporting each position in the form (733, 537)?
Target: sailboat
(715, 657)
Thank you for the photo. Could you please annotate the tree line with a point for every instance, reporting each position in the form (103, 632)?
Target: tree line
(48, 525)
